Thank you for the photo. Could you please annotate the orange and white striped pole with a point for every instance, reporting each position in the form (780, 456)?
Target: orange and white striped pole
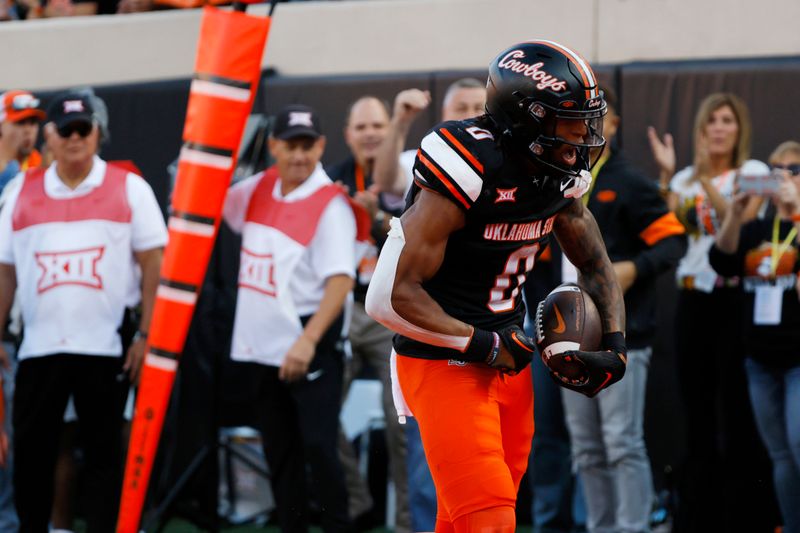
(227, 71)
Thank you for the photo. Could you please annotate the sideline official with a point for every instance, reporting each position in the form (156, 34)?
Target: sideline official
(68, 237)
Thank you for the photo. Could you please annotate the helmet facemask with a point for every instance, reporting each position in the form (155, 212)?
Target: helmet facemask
(545, 146)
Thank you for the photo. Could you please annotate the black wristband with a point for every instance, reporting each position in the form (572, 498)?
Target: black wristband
(480, 346)
(615, 342)
(492, 357)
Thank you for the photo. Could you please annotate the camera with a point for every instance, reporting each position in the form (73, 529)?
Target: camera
(760, 184)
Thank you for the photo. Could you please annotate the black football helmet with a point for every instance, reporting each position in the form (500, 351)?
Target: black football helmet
(534, 85)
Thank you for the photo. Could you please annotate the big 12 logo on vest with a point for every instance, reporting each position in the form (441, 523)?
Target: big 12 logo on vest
(257, 272)
(76, 267)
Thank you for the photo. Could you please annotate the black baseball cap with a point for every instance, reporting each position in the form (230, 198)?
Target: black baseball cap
(70, 107)
(296, 121)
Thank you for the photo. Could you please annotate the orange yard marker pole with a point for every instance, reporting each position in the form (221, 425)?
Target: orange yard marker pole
(226, 75)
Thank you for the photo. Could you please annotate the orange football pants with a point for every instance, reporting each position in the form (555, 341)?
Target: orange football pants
(476, 426)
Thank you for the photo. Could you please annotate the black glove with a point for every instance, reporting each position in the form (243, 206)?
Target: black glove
(519, 345)
(590, 372)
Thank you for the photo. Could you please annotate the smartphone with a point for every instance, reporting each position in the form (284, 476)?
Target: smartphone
(760, 184)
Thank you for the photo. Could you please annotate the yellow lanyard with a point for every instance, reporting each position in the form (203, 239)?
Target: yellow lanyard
(595, 171)
(779, 250)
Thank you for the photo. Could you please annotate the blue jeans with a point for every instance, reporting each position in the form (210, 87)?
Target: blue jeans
(421, 490)
(607, 435)
(775, 396)
(8, 514)
(557, 499)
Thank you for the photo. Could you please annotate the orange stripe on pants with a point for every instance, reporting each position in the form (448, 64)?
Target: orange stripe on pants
(476, 427)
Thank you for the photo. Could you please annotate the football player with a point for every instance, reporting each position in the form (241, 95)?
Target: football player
(488, 193)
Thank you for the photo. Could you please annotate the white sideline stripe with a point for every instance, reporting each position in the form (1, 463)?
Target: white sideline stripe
(176, 295)
(453, 165)
(162, 363)
(197, 157)
(219, 90)
(187, 226)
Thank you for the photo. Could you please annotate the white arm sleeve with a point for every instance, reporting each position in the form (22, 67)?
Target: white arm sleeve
(379, 296)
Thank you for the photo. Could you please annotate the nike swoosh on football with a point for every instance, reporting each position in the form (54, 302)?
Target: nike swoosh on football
(565, 185)
(561, 327)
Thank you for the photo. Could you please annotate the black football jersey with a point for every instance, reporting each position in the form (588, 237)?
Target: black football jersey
(509, 215)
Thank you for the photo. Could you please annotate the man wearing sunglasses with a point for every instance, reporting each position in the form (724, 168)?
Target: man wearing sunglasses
(68, 235)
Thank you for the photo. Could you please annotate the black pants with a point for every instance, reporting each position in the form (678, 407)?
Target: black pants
(299, 423)
(725, 482)
(43, 387)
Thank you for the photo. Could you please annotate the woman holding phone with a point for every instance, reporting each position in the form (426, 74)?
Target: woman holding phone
(722, 442)
(765, 253)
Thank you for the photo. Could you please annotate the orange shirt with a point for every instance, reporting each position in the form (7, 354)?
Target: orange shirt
(34, 160)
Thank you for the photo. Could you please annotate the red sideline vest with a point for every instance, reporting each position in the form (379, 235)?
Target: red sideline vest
(274, 238)
(73, 262)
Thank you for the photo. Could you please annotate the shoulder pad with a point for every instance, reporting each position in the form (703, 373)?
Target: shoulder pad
(450, 161)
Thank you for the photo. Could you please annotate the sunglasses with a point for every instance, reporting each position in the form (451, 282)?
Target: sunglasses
(82, 128)
(794, 169)
(21, 102)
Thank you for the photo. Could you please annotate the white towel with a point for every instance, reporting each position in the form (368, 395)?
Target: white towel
(400, 404)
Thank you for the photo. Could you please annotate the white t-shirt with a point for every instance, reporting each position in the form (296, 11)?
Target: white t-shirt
(70, 314)
(286, 260)
(701, 221)
(331, 251)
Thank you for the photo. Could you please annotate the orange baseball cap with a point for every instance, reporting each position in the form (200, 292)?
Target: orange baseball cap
(18, 106)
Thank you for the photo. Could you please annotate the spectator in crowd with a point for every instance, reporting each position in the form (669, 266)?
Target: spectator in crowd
(643, 239)
(135, 6)
(371, 343)
(36, 9)
(297, 262)
(557, 504)
(720, 474)
(20, 117)
(464, 98)
(765, 252)
(79, 267)
(65, 481)
(12, 10)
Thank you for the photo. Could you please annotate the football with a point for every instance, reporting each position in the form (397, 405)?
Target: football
(567, 319)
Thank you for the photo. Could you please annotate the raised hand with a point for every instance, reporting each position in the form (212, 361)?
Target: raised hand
(702, 159)
(409, 103)
(663, 150)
